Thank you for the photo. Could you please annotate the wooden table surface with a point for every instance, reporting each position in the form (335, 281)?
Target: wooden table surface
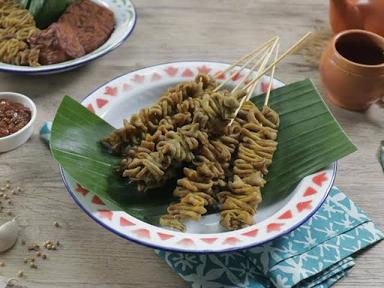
(168, 30)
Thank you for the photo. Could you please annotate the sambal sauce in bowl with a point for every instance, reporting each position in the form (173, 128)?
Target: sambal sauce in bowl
(17, 115)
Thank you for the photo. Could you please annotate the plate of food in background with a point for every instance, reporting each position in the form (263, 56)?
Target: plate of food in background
(206, 156)
(46, 37)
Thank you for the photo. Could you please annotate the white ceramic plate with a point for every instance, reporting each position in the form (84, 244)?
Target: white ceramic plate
(125, 95)
(125, 16)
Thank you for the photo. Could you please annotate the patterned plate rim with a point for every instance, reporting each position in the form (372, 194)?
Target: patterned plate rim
(157, 237)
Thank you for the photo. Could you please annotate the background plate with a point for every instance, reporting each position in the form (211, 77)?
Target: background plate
(125, 16)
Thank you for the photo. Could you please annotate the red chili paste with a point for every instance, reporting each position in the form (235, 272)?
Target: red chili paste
(13, 117)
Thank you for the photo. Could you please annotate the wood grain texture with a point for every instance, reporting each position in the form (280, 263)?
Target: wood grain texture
(169, 30)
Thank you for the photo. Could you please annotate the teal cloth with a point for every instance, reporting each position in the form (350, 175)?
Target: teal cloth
(317, 254)
(45, 132)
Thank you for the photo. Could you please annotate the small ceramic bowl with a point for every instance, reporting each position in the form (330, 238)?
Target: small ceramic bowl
(14, 140)
(125, 16)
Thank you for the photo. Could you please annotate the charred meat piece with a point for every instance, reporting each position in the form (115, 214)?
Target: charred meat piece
(93, 23)
(57, 43)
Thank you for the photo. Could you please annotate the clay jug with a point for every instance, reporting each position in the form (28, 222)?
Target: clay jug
(357, 14)
(352, 69)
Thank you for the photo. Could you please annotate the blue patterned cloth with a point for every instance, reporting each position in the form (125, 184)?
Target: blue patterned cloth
(317, 254)
(45, 132)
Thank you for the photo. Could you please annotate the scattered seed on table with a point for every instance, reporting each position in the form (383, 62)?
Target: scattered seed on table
(20, 274)
(34, 247)
(44, 256)
(7, 186)
(13, 192)
(23, 242)
(2, 264)
(25, 260)
(6, 197)
(57, 243)
(33, 265)
(57, 225)
(2, 189)
(9, 202)
(9, 213)
(18, 188)
(38, 254)
(2, 194)
(32, 260)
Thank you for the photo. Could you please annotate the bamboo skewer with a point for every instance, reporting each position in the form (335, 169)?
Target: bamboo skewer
(250, 87)
(250, 56)
(271, 78)
(257, 49)
(265, 60)
(278, 60)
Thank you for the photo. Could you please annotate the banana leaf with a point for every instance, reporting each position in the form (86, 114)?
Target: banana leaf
(35, 6)
(24, 3)
(309, 139)
(46, 12)
(50, 12)
(75, 137)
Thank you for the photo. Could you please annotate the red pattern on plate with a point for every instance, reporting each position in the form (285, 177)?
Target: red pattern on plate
(286, 215)
(125, 222)
(186, 242)
(208, 240)
(81, 189)
(155, 76)
(220, 75)
(111, 91)
(126, 86)
(164, 236)
(304, 205)
(251, 233)
(96, 200)
(264, 87)
(237, 76)
(106, 214)
(171, 71)
(101, 102)
(142, 233)
(310, 191)
(231, 241)
(138, 78)
(90, 108)
(274, 227)
(204, 69)
(187, 73)
(319, 179)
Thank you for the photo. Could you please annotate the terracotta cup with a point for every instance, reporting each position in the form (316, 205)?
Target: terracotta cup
(352, 69)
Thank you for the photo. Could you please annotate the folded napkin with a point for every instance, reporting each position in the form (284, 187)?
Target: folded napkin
(45, 132)
(317, 254)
